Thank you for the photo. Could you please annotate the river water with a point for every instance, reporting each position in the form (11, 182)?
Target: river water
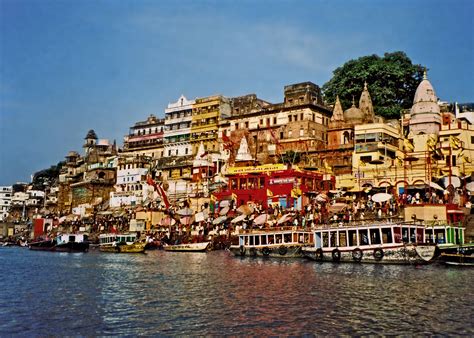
(169, 294)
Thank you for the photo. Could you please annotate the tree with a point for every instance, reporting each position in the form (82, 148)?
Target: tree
(392, 81)
(46, 176)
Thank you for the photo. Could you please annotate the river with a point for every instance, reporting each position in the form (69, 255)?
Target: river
(169, 294)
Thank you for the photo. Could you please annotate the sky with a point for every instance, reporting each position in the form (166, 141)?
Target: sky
(70, 66)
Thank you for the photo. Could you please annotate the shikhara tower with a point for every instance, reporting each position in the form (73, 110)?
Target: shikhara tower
(425, 116)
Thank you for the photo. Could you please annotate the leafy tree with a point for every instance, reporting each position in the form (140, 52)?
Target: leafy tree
(47, 176)
(392, 81)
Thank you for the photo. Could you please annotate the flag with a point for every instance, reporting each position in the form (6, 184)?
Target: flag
(213, 198)
(431, 142)
(408, 145)
(204, 154)
(454, 142)
(228, 143)
(467, 159)
(234, 197)
(399, 161)
(361, 163)
(269, 193)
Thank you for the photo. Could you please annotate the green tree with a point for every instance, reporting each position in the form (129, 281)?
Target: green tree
(392, 81)
(47, 176)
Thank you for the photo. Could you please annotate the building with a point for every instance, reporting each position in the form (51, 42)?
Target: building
(177, 130)
(146, 138)
(130, 187)
(6, 193)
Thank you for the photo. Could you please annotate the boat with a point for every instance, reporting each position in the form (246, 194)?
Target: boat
(188, 247)
(464, 256)
(63, 243)
(281, 243)
(386, 243)
(121, 243)
(449, 238)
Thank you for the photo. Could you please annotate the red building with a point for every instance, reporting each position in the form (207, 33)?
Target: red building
(274, 184)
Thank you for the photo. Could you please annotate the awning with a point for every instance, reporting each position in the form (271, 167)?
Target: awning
(219, 220)
(337, 207)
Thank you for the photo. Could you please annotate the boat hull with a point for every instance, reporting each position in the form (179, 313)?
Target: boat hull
(138, 247)
(65, 247)
(280, 251)
(463, 256)
(191, 247)
(406, 254)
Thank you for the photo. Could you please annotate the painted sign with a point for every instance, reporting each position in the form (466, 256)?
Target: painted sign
(257, 169)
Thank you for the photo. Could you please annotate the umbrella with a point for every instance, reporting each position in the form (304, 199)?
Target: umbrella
(455, 181)
(167, 221)
(199, 217)
(470, 186)
(321, 198)
(238, 219)
(261, 219)
(219, 220)
(245, 209)
(187, 220)
(436, 186)
(285, 218)
(185, 212)
(224, 203)
(224, 211)
(381, 197)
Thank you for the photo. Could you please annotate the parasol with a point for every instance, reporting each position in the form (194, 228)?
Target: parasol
(261, 219)
(381, 197)
(285, 218)
(224, 211)
(245, 209)
(238, 219)
(219, 220)
(185, 212)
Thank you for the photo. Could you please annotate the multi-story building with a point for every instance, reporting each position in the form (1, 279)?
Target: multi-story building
(207, 112)
(130, 188)
(146, 138)
(298, 125)
(5, 201)
(177, 131)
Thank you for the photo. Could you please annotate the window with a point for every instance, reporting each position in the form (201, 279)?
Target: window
(289, 118)
(387, 235)
(247, 125)
(301, 132)
(274, 120)
(281, 135)
(472, 139)
(301, 116)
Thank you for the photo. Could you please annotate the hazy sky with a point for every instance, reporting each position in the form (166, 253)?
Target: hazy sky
(68, 66)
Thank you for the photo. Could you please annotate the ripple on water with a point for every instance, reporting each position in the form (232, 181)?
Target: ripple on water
(215, 294)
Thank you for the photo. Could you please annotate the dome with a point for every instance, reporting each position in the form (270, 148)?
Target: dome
(91, 135)
(354, 114)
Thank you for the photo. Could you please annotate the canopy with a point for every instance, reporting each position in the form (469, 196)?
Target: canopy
(200, 216)
(261, 219)
(238, 219)
(321, 198)
(337, 207)
(381, 197)
(285, 218)
(185, 212)
(245, 209)
(219, 220)
(436, 186)
(455, 181)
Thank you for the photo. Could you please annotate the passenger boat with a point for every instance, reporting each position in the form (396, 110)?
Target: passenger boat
(188, 247)
(282, 243)
(448, 238)
(464, 256)
(121, 243)
(396, 243)
(63, 243)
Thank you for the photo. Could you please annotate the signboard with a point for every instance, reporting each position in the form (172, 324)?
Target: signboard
(257, 169)
(283, 180)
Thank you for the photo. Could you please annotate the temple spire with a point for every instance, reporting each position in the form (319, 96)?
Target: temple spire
(338, 113)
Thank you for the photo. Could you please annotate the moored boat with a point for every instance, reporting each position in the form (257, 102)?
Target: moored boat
(281, 243)
(464, 256)
(63, 243)
(121, 243)
(188, 247)
(386, 243)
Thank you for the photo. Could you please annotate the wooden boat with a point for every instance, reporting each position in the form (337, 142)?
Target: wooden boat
(189, 247)
(386, 243)
(63, 243)
(464, 256)
(281, 243)
(121, 243)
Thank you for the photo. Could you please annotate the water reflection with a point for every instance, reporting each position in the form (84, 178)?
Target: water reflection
(215, 294)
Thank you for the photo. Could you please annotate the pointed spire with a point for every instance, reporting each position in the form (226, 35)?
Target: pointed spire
(353, 102)
(365, 104)
(425, 74)
(337, 113)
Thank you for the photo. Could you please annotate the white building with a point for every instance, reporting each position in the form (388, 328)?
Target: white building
(177, 133)
(5, 201)
(130, 188)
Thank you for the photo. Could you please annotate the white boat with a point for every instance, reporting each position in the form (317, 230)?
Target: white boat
(396, 243)
(121, 243)
(188, 247)
(281, 243)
